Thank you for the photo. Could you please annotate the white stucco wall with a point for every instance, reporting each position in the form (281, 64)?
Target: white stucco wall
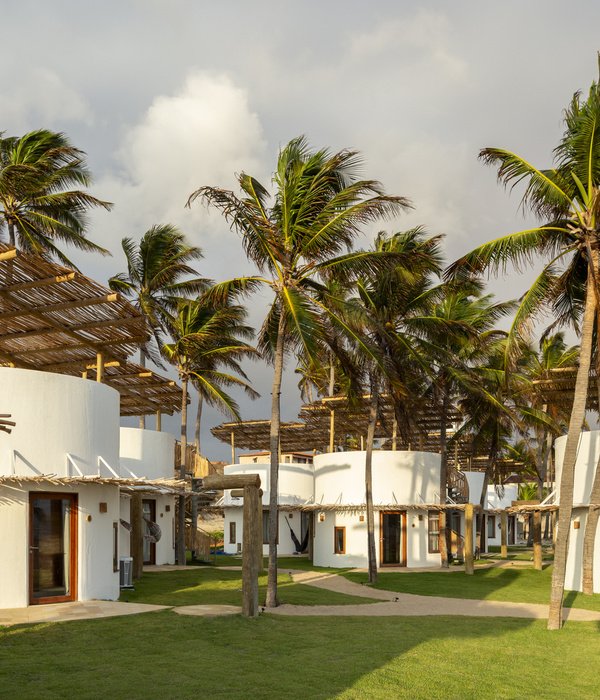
(494, 501)
(285, 547)
(295, 482)
(146, 453)
(165, 549)
(585, 468)
(398, 477)
(57, 415)
(475, 481)
(95, 575)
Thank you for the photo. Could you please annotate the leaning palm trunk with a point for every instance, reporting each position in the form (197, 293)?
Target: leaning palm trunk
(591, 526)
(271, 600)
(369, 481)
(443, 540)
(568, 469)
(181, 514)
(198, 420)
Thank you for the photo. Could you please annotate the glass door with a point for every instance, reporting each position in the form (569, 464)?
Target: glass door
(392, 528)
(52, 547)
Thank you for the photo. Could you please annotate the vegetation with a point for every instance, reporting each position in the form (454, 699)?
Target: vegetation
(318, 209)
(37, 209)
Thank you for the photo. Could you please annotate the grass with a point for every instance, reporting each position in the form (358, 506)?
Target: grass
(217, 587)
(504, 584)
(518, 553)
(164, 655)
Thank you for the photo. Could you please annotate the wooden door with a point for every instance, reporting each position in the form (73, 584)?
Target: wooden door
(392, 538)
(52, 547)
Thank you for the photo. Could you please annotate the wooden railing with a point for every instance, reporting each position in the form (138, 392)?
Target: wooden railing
(458, 486)
(196, 463)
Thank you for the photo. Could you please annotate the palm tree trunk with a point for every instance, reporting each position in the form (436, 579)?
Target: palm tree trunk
(591, 526)
(181, 515)
(443, 540)
(198, 419)
(568, 469)
(11, 233)
(271, 600)
(372, 556)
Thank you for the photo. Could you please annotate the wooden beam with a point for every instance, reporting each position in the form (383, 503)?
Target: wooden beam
(331, 430)
(250, 539)
(218, 482)
(137, 534)
(62, 306)
(9, 254)
(78, 327)
(232, 447)
(33, 284)
(158, 421)
(85, 363)
(503, 535)
(469, 566)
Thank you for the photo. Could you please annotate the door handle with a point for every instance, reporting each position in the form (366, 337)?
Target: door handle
(30, 547)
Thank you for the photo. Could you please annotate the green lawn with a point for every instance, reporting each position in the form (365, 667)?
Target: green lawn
(205, 586)
(165, 655)
(516, 585)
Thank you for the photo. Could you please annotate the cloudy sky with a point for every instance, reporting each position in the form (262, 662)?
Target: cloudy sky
(167, 96)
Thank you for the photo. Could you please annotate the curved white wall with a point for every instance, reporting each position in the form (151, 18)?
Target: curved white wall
(585, 467)
(295, 482)
(57, 415)
(146, 453)
(398, 477)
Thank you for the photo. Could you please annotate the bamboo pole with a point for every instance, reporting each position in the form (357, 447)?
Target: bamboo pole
(331, 430)
(537, 540)
(503, 534)
(158, 421)
(469, 566)
(232, 447)
(395, 435)
(100, 367)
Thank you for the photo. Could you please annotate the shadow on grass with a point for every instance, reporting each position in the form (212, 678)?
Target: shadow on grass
(167, 655)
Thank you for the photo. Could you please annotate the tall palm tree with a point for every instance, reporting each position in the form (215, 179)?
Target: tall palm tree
(567, 198)
(318, 210)
(206, 338)
(388, 314)
(37, 208)
(158, 273)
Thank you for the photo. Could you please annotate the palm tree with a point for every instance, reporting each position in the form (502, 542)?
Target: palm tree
(388, 314)
(318, 210)
(36, 207)
(206, 337)
(567, 197)
(158, 274)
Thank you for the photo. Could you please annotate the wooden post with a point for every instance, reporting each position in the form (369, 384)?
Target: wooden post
(469, 567)
(232, 447)
(137, 534)
(395, 435)
(100, 367)
(537, 540)
(84, 374)
(331, 430)
(260, 531)
(362, 443)
(503, 535)
(250, 540)
(158, 421)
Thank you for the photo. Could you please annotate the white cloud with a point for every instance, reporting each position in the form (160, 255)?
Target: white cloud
(201, 135)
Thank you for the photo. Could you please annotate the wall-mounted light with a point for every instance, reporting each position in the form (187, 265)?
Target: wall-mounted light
(361, 518)
(321, 517)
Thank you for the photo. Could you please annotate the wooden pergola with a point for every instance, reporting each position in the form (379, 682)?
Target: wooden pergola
(558, 388)
(325, 424)
(55, 319)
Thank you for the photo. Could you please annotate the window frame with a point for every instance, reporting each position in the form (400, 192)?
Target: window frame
(433, 515)
(491, 527)
(341, 528)
(232, 532)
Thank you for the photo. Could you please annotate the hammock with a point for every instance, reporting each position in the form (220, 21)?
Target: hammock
(300, 547)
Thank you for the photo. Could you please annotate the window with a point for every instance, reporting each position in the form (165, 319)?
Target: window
(266, 527)
(491, 526)
(434, 531)
(232, 533)
(339, 540)
(115, 546)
